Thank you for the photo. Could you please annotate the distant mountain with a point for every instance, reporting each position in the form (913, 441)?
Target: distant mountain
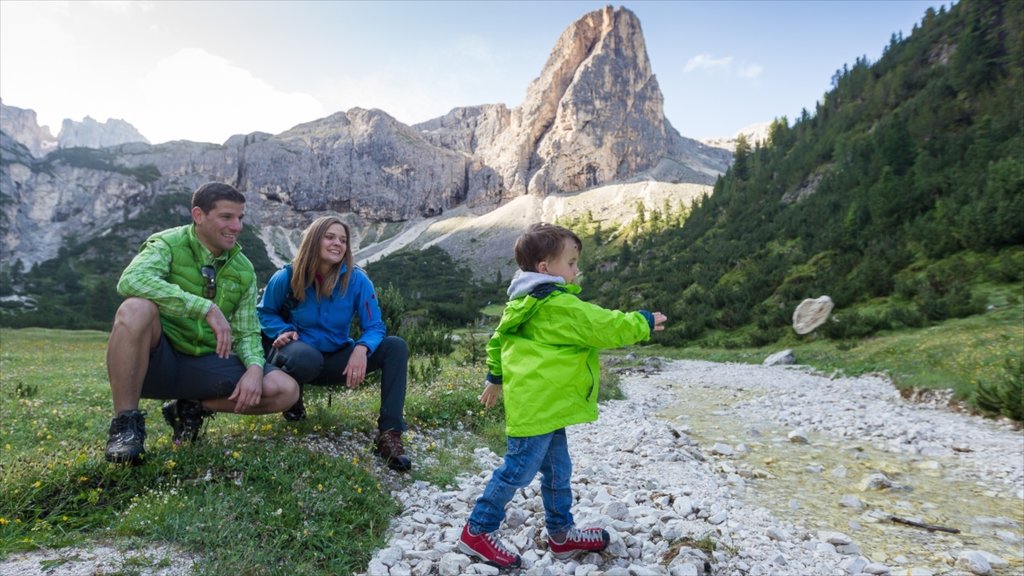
(92, 134)
(21, 125)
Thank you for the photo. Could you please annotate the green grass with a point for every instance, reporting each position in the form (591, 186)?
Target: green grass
(957, 354)
(248, 498)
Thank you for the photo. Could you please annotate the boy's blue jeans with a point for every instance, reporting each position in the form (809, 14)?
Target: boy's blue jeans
(547, 454)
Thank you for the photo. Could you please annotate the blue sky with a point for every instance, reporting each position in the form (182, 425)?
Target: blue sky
(206, 70)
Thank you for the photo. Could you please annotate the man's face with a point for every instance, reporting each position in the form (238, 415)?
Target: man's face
(218, 229)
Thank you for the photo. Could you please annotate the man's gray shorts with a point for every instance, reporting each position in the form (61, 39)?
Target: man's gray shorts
(173, 375)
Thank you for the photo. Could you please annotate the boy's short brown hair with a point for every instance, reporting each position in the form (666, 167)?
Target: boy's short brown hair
(542, 241)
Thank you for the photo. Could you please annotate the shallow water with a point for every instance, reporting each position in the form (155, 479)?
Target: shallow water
(804, 484)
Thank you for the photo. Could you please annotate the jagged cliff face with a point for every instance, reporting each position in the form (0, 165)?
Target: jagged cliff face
(362, 161)
(593, 116)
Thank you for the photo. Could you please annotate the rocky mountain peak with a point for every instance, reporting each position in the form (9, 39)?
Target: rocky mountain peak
(595, 115)
(22, 126)
(90, 133)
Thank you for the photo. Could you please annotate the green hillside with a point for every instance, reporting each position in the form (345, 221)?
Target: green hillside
(901, 197)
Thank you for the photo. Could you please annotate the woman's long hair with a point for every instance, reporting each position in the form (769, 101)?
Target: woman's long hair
(306, 264)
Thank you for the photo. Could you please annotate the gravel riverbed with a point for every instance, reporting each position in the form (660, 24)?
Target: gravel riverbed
(679, 504)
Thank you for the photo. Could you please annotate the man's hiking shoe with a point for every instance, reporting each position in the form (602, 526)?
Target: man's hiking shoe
(296, 412)
(389, 446)
(185, 418)
(576, 540)
(126, 438)
(489, 548)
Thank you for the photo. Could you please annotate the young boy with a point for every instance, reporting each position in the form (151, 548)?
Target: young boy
(544, 355)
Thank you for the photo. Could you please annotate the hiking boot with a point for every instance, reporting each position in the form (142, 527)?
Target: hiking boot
(576, 540)
(296, 412)
(489, 548)
(185, 418)
(126, 438)
(389, 446)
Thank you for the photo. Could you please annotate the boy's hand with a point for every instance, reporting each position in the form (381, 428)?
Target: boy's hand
(491, 395)
(659, 321)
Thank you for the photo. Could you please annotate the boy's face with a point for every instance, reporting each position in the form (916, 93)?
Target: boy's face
(565, 264)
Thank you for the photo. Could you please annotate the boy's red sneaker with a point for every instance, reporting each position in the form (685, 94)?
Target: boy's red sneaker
(488, 548)
(576, 540)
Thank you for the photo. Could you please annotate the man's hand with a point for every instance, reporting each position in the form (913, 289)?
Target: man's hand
(659, 321)
(249, 390)
(285, 338)
(355, 370)
(221, 329)
(490, 395)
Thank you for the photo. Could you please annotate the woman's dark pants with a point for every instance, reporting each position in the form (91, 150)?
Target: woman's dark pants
(309, 366)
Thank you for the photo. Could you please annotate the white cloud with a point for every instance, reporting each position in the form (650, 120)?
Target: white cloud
(707, 62)
(195, 95)
(123, 6)
(723, 65)
(749, 71)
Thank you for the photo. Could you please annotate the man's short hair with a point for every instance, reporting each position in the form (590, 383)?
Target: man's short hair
(541, 242)
(207, 195)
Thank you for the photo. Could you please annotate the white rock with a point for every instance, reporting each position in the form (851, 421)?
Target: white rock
(453, 564)
(974, 562)
(798, 436)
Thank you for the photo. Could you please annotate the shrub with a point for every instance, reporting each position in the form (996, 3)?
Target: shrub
(1005, 396)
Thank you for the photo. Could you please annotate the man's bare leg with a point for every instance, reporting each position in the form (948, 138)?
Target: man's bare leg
(135, 333)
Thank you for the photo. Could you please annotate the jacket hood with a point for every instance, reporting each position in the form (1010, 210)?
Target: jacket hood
(522, 306)
(524, 282)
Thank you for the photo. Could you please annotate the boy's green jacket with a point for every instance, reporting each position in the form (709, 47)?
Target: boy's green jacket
(544, 353)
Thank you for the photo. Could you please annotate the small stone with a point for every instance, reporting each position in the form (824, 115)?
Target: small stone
(974, 562)
(874, 482)
(851, 501)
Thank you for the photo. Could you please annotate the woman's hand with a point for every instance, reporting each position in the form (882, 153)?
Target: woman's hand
(355, 370)
(285, 338)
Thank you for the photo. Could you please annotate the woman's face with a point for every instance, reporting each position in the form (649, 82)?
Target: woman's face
(333, 245)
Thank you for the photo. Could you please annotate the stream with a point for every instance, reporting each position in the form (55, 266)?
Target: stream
(823, 485)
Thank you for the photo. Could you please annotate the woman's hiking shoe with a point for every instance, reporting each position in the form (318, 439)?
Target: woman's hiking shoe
(389, 446)
(127, 437)
(296, 412)
(489, 548)
(185, 418)
(576, 540)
